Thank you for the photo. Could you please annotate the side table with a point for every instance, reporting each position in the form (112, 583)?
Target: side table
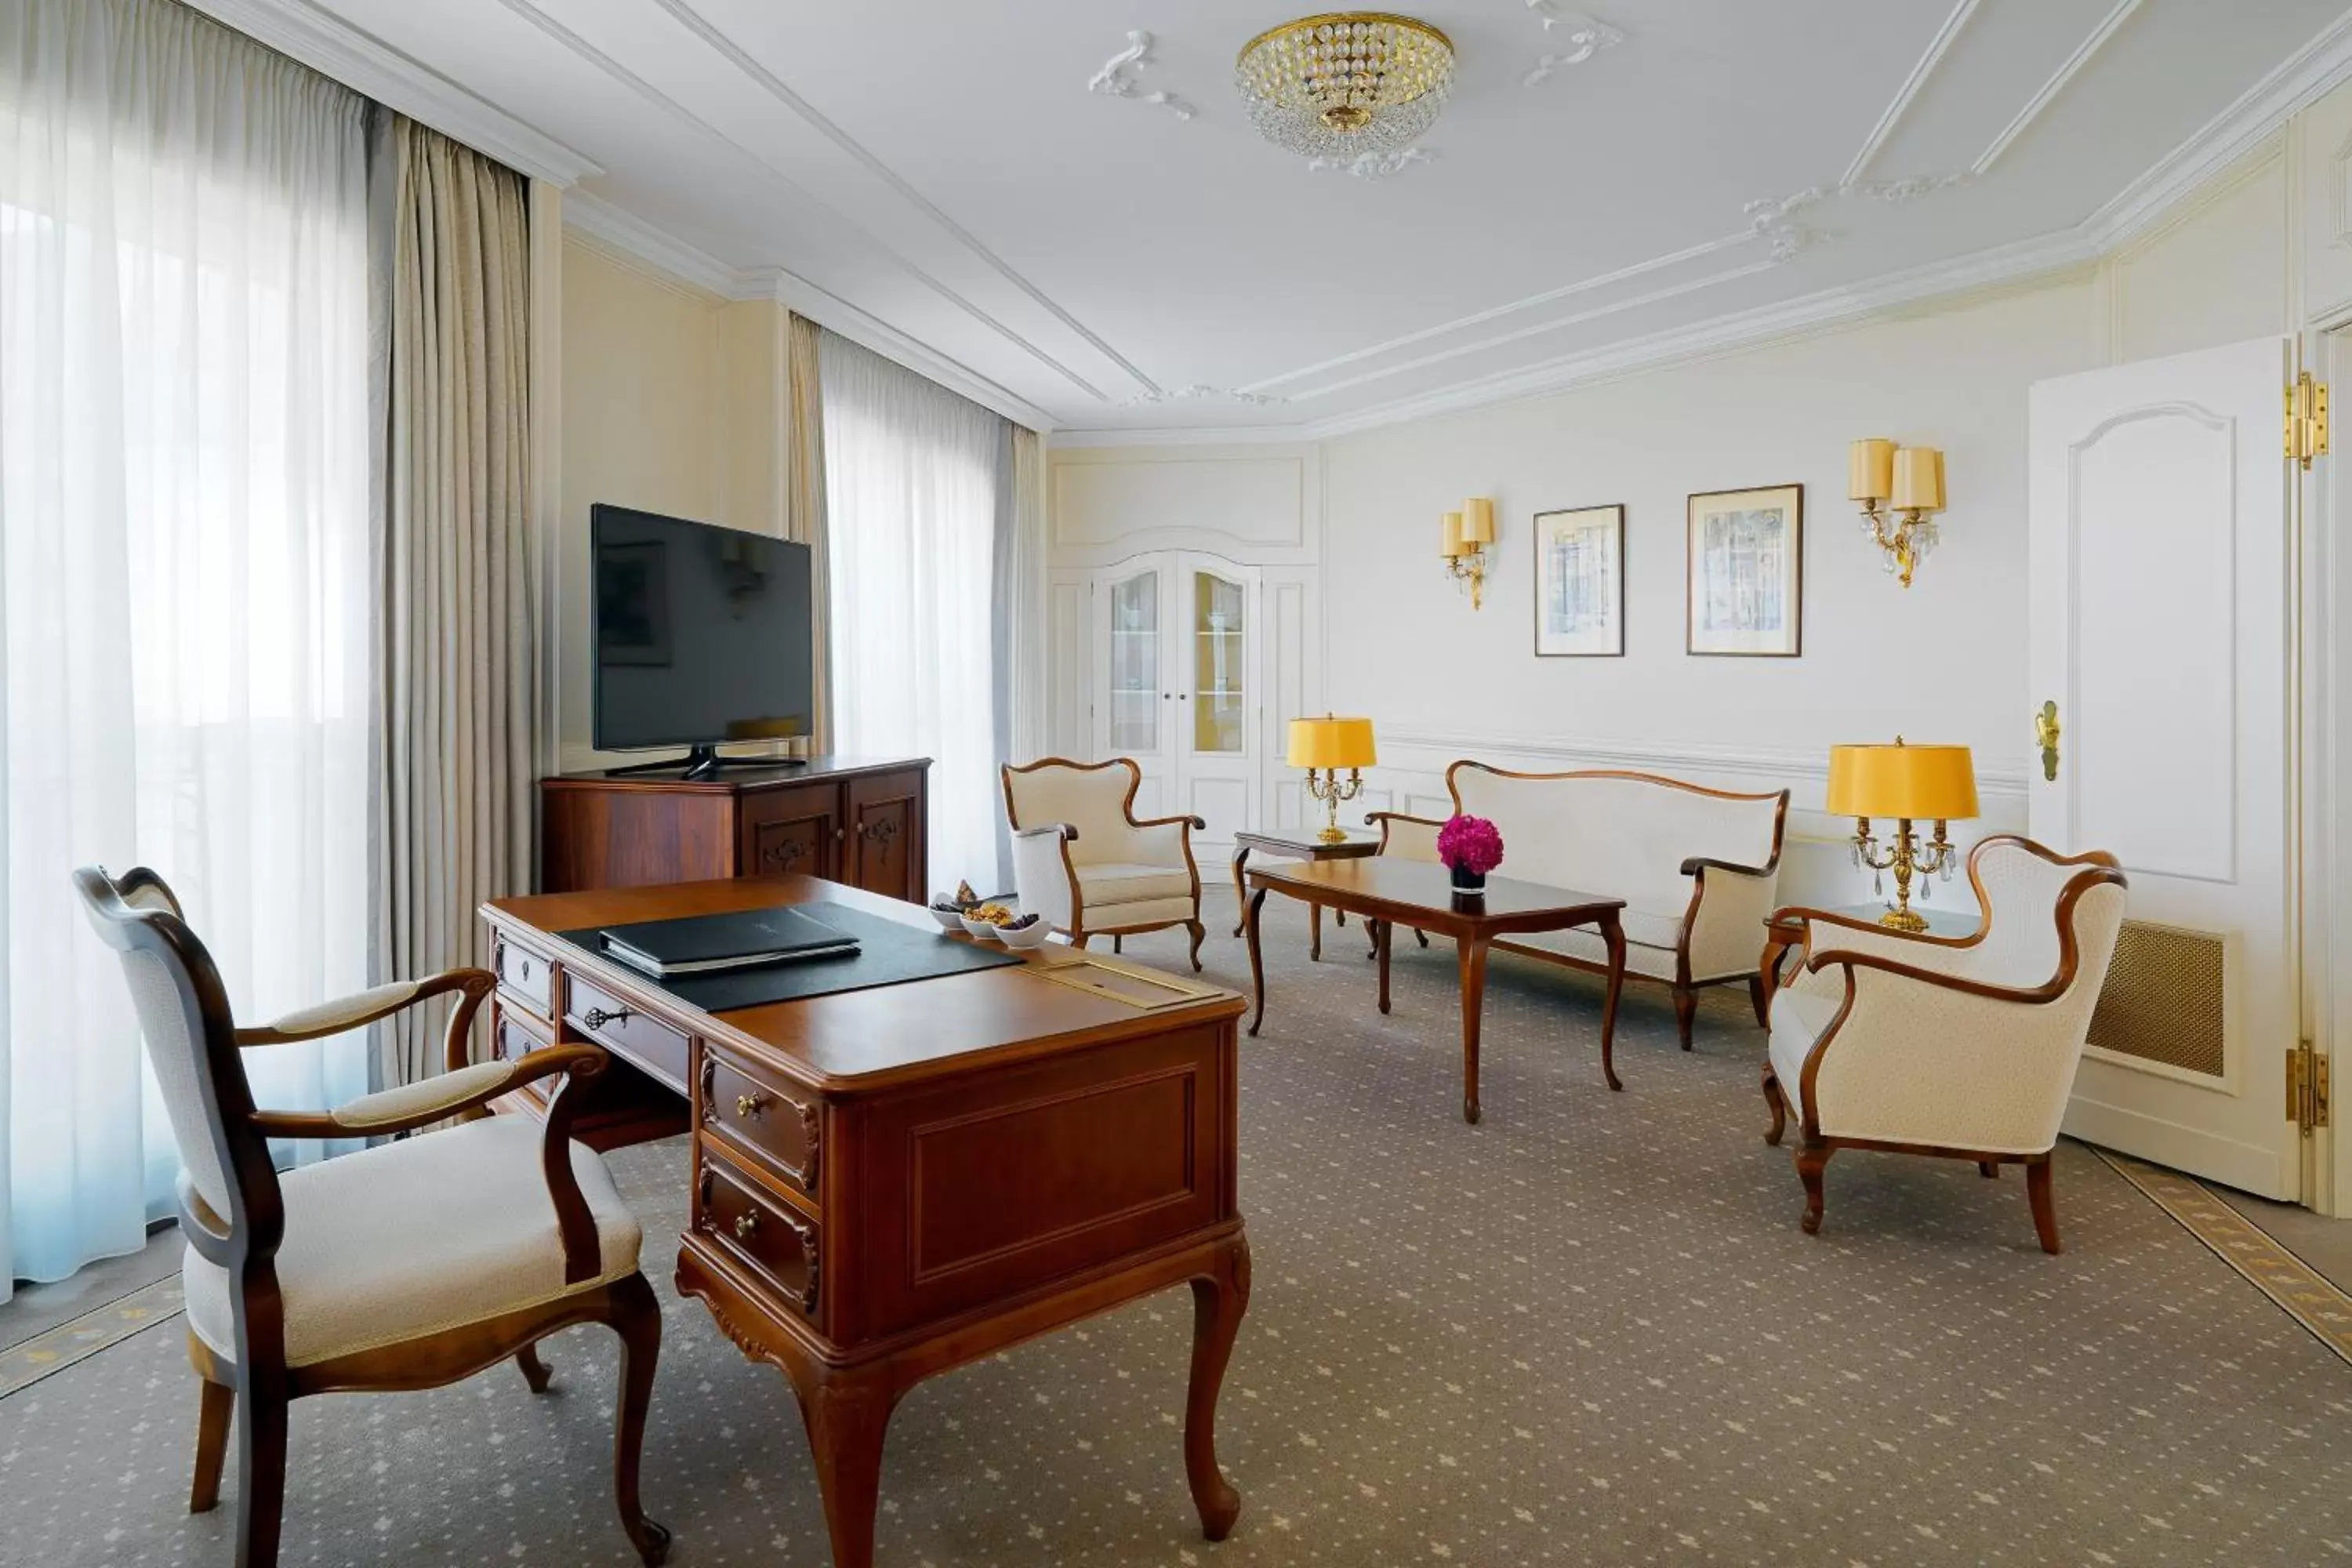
(1298, 844)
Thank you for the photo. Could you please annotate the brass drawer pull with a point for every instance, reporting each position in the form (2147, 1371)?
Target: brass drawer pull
(745, 1224)
(749, 1104)
(596, 1017)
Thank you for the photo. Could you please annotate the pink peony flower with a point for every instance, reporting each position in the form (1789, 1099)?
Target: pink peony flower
(1470, 842)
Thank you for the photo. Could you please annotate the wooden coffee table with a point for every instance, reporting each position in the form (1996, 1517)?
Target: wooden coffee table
(1300, 845)
(1420, 895)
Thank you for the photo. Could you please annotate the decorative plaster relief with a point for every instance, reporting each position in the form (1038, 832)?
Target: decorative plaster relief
(1910, 188)
(1371, 166)
(1199, 393)
(1772, 220)
(1116, 78)
(1584, 36)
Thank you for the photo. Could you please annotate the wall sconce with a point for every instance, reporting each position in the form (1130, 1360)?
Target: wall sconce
(1468, 533)
(1901, 489)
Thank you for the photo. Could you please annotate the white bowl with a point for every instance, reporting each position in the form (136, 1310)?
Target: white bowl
(949, 919)
(1027, 936)
(980, 929)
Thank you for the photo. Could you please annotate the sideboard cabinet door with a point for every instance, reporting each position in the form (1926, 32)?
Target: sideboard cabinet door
(883, 851)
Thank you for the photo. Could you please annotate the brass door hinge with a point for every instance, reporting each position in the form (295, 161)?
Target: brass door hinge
(2307, 1088)
(2307, 419)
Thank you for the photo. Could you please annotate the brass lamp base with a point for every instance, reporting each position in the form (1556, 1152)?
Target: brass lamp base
(1332, 833)
(1903, 919)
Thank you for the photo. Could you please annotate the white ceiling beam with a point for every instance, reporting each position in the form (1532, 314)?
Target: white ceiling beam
(1926, 68)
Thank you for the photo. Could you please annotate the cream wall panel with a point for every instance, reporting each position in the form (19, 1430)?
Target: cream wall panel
(2217, 273)
(1254, 504)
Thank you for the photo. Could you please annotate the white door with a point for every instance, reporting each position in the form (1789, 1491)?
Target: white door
(1135, 706)
(2162, 628)
(1217, 743)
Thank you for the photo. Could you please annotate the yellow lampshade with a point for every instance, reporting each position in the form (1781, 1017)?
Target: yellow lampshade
(1478, 520)
(1919, 479)
(1329, 743)
(1870, 469)
(1453, 545)
(1922, 783)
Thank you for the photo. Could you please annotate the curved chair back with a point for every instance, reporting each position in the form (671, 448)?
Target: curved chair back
(2021, 888)
(1096, 799)
(229, 1201)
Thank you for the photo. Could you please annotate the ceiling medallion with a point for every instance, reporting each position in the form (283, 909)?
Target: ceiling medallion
(1346, 84)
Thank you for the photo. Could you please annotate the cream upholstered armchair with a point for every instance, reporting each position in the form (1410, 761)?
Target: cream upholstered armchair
(406, 1266)
(1959, 1046)
(1084, 863)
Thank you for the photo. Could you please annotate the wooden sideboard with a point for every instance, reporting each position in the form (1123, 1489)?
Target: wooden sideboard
(841, 818)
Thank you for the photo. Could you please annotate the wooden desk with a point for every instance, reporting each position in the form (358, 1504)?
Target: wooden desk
(1422, 895)
(890, 1183)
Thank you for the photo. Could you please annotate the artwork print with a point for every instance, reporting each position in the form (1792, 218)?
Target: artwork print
(1580, 583)
(1745, 563)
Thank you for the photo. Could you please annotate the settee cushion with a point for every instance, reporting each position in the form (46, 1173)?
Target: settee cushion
(1120, 882)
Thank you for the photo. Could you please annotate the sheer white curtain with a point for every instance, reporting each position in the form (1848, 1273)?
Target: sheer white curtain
(183, 573)
(911, 481)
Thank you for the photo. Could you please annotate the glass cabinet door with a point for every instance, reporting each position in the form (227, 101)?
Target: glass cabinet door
(1218, 666)
(1135, 687)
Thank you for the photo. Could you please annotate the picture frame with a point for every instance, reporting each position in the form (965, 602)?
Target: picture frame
(1579, 599)
(1744, 593)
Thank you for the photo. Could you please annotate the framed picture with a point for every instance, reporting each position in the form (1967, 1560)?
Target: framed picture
(1580, 583)
(1747, 567)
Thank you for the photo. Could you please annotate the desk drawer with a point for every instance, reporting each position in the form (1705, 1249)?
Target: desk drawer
(526, 974)
(778, 1247)
(515, 1036)
(648, 1042)
(770, 1127)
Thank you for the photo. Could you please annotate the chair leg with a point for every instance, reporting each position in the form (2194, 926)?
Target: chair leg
(636, 1315)
(1988, 1169)
(1198, 931)
(1779, 1101)
(219, 1405)
(1685, 1008)
(1810, 1162)
(534, 1371)
(1080, 939)
(2044, 1201)
(1118, 943)
(1760, 1002)
(260, 1474)
(1421, 936)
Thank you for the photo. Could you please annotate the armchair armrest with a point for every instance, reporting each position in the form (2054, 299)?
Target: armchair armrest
(1197, 824)
(1066, 832)
(1797, 915)
(349, 1013)
(420, 1104)
(2049, 990)
(1698, 865)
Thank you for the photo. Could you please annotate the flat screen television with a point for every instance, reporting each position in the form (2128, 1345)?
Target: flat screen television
(701, 636)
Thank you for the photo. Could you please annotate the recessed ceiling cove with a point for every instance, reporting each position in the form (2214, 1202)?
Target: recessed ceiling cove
(1076, 213)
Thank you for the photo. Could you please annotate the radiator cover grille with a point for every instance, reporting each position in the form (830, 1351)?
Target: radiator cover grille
(2163, 999)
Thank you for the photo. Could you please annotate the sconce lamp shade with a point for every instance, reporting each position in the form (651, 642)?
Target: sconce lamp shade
(1919, 479)
(1478, 520)
(1922, 783)
(1453, 546)
(1330, 743)
(1870, 469)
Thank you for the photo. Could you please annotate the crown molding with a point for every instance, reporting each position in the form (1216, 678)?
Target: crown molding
(1905, 95)
(632, 240)
(332, 47)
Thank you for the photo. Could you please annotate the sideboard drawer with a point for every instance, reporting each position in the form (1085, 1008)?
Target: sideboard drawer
(648, 1042)
(526, 973)
(778, 1246)
(772, 1129)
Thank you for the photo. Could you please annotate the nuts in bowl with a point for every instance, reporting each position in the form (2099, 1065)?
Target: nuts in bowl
(982, 919)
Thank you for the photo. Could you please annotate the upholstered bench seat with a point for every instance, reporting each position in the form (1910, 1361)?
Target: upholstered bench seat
(412, 1237)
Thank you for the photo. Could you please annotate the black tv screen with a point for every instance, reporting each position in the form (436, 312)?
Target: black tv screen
(701, 634)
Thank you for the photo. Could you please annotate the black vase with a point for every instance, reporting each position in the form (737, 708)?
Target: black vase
(1465, 880)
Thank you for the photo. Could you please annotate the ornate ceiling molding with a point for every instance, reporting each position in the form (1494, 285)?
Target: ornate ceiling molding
(1200, 393)
(1772, 219)
(1904, 96)
(1116, 78)
(1581, 37)
(2066, 73)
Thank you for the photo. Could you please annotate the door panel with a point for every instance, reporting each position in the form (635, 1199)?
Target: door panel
(2161, 608)
(1136, 702)
(1218, 750)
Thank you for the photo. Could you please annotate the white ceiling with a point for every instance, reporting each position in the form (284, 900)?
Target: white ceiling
(937, 175)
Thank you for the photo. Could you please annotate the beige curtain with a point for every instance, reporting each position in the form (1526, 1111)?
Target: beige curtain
(805, 518)
(458, 643)
(1025, 605)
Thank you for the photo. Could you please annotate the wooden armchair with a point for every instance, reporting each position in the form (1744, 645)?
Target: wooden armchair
(1087, 865)
(407, 1265)
(1959, 1046)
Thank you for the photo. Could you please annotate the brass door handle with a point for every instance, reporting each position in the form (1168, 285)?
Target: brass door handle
(745, 1224)
(2045, 732)
(749, 1104)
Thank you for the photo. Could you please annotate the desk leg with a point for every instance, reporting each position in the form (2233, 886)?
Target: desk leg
(1257, 964)
(846, 1416)
(1381, 932)
(1241, 887)
(1614, 935)
(1219, 1300)
(1315, 924)
(1470, 954)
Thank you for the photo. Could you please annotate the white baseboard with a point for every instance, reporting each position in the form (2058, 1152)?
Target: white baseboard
(2249, 1168)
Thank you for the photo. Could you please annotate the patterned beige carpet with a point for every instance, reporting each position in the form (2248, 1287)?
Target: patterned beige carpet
(1586, 1332)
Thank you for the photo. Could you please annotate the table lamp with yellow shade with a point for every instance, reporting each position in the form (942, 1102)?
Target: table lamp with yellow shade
(1910, 783)
(1325, 746)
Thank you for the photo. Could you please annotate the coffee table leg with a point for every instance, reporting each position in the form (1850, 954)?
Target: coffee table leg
(1257, 965)
(1471, 954)
(1381, 930)
(1614, 935)
(1315, 923)
(1241, 889)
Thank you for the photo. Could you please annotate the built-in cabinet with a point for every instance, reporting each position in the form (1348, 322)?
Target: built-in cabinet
(1175, 641)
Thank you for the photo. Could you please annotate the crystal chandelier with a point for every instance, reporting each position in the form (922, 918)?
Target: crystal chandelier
(1347, 84)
